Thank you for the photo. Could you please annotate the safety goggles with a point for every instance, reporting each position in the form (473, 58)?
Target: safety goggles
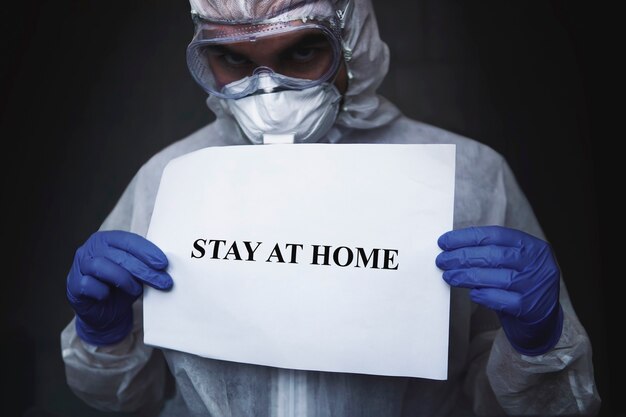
(238, 60)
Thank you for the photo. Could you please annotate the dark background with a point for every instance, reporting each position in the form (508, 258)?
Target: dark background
(90, 90)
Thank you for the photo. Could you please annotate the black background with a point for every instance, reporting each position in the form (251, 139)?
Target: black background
(90, 90)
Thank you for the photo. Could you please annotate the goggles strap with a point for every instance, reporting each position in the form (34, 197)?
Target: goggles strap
(343, 12)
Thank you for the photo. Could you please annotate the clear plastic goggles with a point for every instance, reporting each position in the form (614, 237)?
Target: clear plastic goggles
(233, 60)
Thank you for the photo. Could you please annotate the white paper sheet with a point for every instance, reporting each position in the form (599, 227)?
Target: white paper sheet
(239, 302)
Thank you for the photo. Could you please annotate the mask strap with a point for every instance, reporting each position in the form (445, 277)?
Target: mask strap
(287, 138)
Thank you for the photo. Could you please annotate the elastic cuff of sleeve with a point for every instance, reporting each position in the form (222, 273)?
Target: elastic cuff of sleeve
(104, 337)
(537, 338)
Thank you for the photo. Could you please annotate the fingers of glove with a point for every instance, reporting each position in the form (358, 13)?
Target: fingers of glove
(160, 280)
(138, 246)
(502, 301)
(111, 273)
(482, 236)
(480, 278)
(481, 257)
(84, 286)
(79, 285)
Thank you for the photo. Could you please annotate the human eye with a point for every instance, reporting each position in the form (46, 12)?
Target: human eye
(224, 57)
(227, 65)
(303, 54)
(307, 58)
(235, 60)
(308, 49)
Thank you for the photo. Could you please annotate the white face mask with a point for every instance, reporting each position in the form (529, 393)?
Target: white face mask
(300, 115)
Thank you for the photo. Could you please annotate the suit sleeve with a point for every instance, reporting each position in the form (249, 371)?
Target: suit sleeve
(128, 376)
(559, 382)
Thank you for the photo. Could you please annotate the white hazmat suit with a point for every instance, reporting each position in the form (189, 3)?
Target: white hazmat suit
(486, 375)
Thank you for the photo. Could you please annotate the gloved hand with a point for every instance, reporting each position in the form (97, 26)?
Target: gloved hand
(105, 279)
(511, 272)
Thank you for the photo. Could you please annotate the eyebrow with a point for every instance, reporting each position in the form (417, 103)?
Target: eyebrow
(222, 49)
(310, 39)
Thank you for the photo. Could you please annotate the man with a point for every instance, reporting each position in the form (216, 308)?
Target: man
(307, 71)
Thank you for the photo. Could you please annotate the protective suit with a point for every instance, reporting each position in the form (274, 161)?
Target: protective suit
(487, 376)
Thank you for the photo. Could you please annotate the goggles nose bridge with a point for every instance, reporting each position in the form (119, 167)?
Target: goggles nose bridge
(266, 81)
(263, 70)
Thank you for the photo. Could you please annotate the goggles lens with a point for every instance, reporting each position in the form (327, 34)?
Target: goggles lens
(221, 55)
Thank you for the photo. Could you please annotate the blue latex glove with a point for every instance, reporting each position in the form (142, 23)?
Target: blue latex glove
(106, 278)
(511, 272)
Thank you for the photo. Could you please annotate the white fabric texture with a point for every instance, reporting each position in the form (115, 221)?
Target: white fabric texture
(486, 376)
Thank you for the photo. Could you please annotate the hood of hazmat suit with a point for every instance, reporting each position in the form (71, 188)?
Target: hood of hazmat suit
(366, 67)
